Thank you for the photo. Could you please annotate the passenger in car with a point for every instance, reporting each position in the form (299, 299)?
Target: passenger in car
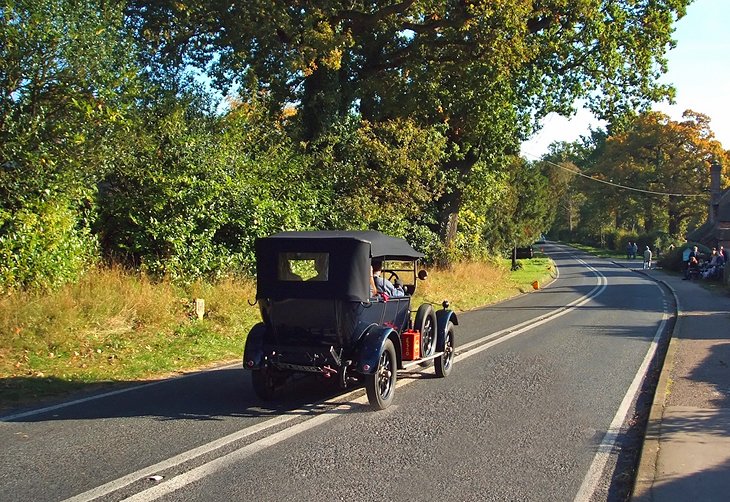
(382, 284)
(373, 288)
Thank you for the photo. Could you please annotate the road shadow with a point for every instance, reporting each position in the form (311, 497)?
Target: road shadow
(209, 395)
(705, 484)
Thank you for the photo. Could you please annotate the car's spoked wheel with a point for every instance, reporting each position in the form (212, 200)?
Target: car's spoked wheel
(380, 386)
(445, 362)
(426, 323)
(264, 383)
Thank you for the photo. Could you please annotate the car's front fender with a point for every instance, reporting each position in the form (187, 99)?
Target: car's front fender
(442, 321)
(370, 346)
(253, 353)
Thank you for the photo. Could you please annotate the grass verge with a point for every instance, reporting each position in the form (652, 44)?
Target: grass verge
(113, 327)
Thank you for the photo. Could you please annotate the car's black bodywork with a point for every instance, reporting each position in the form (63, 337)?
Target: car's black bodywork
(314, 294)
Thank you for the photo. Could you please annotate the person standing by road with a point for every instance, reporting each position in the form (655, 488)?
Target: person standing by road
(691, 262)
(647, 258)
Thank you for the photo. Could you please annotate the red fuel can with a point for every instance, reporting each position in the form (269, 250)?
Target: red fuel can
(411, 341)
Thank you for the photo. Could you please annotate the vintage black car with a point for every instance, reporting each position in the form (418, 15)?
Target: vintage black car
(320, 317)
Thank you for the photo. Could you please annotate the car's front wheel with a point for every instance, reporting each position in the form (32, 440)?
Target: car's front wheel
(445, 362)
(380, 386)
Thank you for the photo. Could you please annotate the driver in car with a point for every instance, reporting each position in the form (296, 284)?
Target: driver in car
(382, 284)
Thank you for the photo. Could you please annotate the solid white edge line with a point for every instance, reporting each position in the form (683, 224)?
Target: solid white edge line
(593, 476)
(597, 290)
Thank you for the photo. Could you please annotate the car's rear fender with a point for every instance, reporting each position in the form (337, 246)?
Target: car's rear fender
(253, 353)
(361, 330)
(442, 321)
(370, 346)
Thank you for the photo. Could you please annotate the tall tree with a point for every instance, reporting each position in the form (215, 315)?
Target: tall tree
(66, 71)
(657, 154)
(486, 69)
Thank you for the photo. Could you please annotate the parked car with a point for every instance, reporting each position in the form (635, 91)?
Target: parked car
(319, 316)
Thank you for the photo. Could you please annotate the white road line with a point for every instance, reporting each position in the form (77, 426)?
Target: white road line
(213, 466)
(593, 476)
(133, 477)
(536, 321)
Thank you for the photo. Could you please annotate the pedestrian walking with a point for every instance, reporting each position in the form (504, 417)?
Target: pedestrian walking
(647, 258)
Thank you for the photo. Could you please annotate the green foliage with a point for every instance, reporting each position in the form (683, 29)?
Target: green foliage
(42, 246)
(651, 154)
(659, 155)
(191, 194)
(65, 72)
(485, 72)
(403, 117)
(506, 209)
(383, 176)
(657, 241)
(65, 69)
(565, 198)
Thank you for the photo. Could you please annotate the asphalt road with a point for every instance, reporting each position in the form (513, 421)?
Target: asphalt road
(538, 407)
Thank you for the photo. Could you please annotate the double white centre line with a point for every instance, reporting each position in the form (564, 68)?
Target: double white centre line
(346, 400)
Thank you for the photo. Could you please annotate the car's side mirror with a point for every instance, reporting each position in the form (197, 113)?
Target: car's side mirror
(422, 274)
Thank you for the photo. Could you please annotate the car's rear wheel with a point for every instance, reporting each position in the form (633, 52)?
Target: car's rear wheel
(380, 386)
(265, 382)
(445, 362)
(426, 324)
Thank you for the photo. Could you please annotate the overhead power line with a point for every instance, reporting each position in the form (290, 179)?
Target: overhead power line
(617, 185)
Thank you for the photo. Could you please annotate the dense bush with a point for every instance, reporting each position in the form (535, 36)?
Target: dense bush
(189, 197)
(66, 70)
(42, 246)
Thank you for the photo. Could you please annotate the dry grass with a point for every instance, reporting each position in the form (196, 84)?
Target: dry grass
(117, 326)
(227, 304)
(70, 329)
(466, 286)
(472, 285)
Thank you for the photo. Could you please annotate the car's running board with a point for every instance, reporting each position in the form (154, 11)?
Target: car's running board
(410, 364)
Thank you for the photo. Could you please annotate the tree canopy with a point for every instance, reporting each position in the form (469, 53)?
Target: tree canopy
(405, 116)
(486, 70)
(658, 170)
